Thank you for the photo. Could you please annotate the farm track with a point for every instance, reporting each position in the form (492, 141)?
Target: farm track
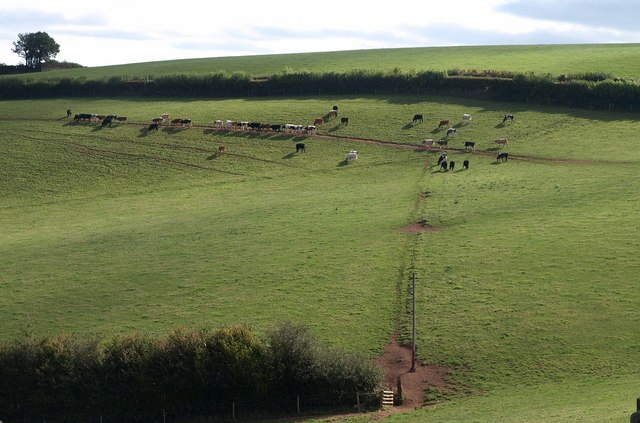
(389, 144)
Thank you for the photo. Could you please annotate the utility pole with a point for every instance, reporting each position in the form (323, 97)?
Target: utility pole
(413, 340)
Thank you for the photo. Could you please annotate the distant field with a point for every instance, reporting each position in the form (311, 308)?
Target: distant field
(620, 59)
(527, 286)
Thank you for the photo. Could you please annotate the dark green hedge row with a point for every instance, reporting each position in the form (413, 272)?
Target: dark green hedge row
(587, 90)
(196, 372)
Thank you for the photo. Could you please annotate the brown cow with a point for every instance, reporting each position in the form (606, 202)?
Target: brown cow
(502, 142)
(444, 122)
(221, 149)
(318, 121)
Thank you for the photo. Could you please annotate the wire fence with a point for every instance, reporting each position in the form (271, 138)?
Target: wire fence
(242, 410)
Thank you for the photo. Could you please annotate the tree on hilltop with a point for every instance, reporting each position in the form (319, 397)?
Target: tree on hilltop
(36, 48)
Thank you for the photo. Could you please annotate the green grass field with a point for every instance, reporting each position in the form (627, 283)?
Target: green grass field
(620, 59)
(527, 286)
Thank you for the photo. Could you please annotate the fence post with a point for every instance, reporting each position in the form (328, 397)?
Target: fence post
(298, 404)
(358, 400)
(233, 411)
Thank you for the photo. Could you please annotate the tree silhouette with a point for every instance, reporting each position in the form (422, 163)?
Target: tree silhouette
(36, 48)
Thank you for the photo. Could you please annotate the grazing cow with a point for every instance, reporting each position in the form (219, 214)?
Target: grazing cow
(444, 122)
(300, 147)
(217, 123)
(333, 113)
(443, 165)
(121, 119)
(253, 125)
(465, 164)
(174, 122)
(83, 116)
(451, 131)
(442, 158)
(230, 124)
(221, 149)
(352, 155)
(417, 118)
(443, 143)
(466, 117)
(186, 122)
(502, 157)
(311, 129)
(158, 120)
(318, 121)
(152, 127)
(508, 117)
(277, 127)
(502, 142)
(107, 121)
(470, 144)
(293, 128)
(427, 143)
(265, 127)
(452, 164)
(344, 121)
(165, 116)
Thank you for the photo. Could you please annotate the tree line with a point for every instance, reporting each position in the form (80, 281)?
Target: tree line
(197, 372)
(595, 90)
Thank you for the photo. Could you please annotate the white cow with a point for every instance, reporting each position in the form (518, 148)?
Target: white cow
(466, 117)
(217, 123)
(352, 155)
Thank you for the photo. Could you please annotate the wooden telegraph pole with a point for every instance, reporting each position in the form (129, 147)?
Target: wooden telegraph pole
(413, 337)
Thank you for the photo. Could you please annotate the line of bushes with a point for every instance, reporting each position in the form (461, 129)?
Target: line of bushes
(587, 90)
(188, 372)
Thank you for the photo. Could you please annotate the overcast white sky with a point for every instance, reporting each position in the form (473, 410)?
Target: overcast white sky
(130, 31)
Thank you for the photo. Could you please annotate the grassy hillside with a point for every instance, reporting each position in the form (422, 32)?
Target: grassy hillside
(619, 59)
(526, 281)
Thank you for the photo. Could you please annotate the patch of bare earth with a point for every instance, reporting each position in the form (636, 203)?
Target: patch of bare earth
(396, 362)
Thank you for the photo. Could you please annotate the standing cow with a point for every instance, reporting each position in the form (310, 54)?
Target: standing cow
(502, 157)
(452, 165)
(300, 147)
(465, 164)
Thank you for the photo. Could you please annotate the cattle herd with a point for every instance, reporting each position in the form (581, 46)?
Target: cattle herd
(289, 128)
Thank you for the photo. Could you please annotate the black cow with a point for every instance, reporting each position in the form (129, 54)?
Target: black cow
(335, 108)
(277, 127)
(508, 117)
(344, 121)
(83, 116)
(417, 118)
(442, 158)
(254, 125)
(153, 127)
(68, 112)
(107, 121)
(443, 143)
(465, 164)
(502, 157)
(470, 144)
(443, 165)
(300, 147)
(451, 131)
(452, 164)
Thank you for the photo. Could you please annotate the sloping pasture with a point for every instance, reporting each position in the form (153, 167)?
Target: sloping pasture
(620, 59)
(527, 286)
